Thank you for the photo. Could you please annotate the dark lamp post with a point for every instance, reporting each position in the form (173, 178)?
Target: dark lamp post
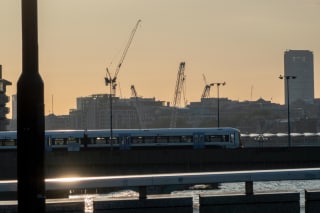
(112, 83)
(218, 113)
(30, 117)
(287, 78)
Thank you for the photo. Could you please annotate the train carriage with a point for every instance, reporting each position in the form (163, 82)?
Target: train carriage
(125, 139)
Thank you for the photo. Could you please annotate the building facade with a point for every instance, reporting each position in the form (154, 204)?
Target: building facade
(299, 63)
(4, 99)
(93, 112)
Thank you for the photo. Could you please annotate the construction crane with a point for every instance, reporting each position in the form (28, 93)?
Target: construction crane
(177, 94)
(206, 90)
(133, 91)
(109, 80)
(137, 105)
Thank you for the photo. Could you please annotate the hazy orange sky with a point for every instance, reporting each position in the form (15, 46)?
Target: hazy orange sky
(241, 42)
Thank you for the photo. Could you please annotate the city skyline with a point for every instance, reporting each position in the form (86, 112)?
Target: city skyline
(241, 43)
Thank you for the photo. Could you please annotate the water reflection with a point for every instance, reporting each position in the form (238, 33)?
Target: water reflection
(224, 189)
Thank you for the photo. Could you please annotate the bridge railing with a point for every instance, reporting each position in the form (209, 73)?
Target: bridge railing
(143, 181)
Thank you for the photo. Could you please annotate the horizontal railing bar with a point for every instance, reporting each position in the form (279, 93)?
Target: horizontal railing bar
(172, 179)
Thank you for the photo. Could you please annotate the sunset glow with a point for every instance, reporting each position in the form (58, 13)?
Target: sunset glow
(239, 42)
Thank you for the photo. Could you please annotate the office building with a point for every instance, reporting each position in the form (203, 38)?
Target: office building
(299, 63)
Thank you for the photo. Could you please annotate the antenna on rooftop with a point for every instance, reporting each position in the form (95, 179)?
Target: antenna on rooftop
(251, 92)
(52, 104)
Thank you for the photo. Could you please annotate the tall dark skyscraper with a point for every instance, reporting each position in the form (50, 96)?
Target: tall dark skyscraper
(299, 63)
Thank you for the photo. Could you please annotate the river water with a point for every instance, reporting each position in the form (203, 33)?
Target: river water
(223, 189)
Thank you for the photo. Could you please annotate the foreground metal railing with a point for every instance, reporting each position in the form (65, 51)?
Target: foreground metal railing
(143, 181)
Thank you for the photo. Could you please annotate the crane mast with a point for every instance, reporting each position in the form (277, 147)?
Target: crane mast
(177, 94)
(138, 106)
(112, 80)
(206, 90)
(133, 91)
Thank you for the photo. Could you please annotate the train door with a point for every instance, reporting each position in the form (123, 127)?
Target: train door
(48, 143)
(198, 140)
(124, 141)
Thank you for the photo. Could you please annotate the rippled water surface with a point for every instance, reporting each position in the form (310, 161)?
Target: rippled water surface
(225, 188)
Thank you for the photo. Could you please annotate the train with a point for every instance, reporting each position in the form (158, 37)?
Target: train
(126, 139)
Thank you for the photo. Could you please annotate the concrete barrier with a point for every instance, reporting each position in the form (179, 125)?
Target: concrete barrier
(74, 206)
(8, 207)
(152, 205)
(312, 201)
(52, 206)
(8, 196)
(262, 203)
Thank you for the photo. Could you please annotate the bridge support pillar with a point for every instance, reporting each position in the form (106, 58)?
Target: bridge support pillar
(142, 192)
(249, 187)
(312, 204)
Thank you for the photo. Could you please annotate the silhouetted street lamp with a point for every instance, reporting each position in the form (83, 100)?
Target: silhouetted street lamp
(218, 85)
(30, 117)
(287, 78)
(112, 82)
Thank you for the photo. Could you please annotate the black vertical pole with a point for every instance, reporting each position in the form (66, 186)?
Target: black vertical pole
(288, 105)
(30, 117)
(111, 127)
(218, 106)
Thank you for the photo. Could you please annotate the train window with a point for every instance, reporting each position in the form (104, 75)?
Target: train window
(162, 139)
(125, 140)
(114, 140)
(8, 142)
(217, 138)
(149, 139)
(72, 140)
(57, 141)
(138, 139)
(187, 138)
(196, 138)
(232, 138)
(108, 140)
(88, 140)
(100, 140)
(225, 138)
(174, 139)
(213, 138)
